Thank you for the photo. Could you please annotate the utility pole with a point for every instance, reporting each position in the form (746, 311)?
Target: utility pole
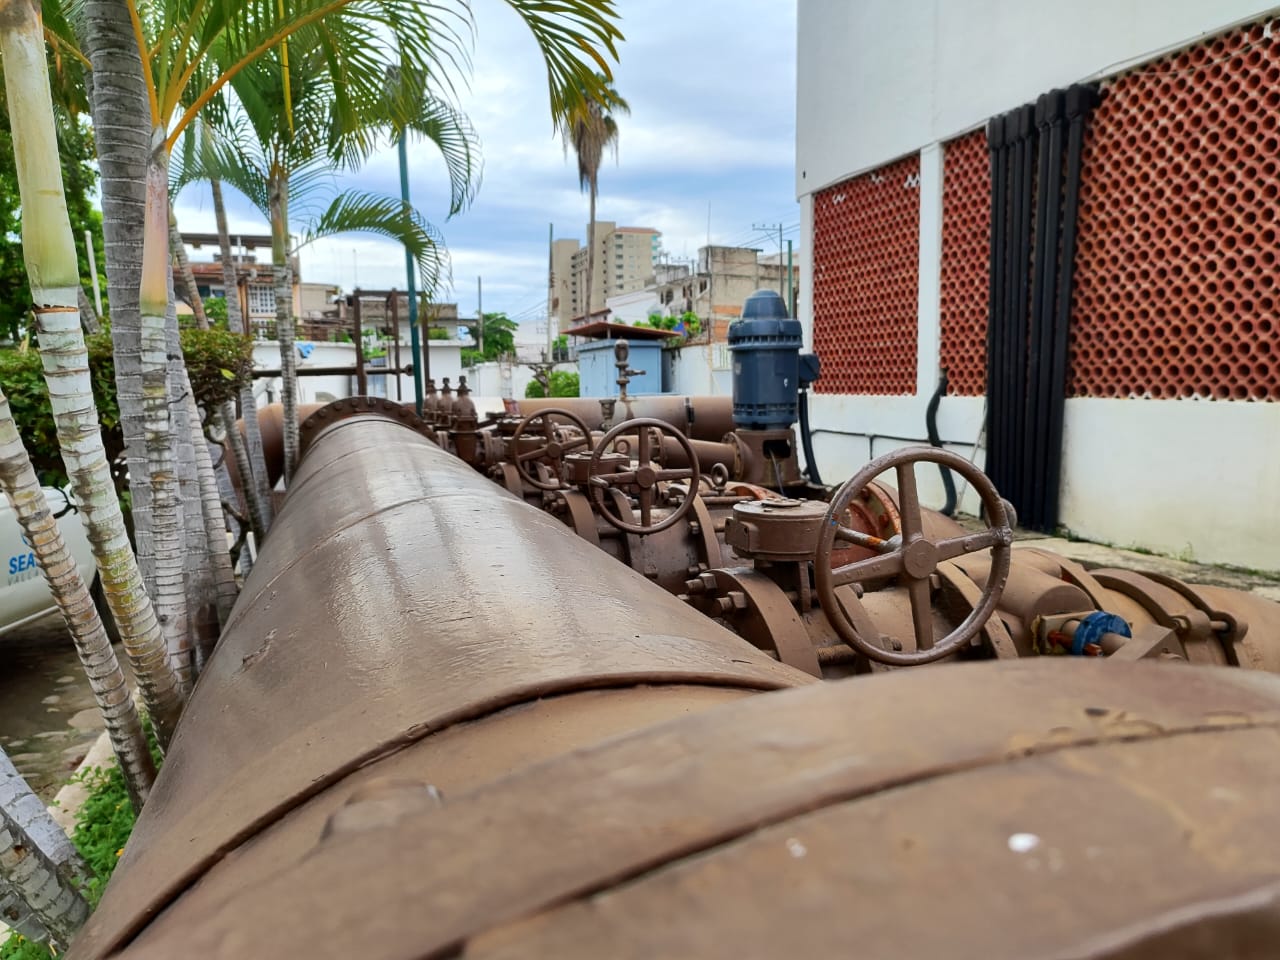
(551, 283)
(93, 271)
(791, 303)
(769, 228)
(480, 318)
(421, 363)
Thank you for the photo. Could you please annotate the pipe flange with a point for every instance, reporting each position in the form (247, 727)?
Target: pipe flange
(349, 407)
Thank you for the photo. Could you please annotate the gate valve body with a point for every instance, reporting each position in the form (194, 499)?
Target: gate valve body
(781, 530)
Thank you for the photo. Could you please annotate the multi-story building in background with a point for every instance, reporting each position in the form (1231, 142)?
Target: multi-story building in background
(714, 288)
(255, 279)
(624, 262)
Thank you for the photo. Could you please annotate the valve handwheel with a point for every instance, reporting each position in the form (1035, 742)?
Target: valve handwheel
(645, 475)
(911, 556)
(557, 445)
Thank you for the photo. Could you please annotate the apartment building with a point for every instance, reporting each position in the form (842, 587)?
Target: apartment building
(624, 262)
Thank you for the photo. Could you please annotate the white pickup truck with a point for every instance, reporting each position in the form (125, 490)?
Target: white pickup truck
(24, 595)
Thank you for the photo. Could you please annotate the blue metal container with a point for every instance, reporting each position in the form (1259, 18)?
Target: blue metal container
(766, 363)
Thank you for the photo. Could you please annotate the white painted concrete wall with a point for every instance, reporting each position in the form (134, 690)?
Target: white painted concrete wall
(878, 79)
(504, 380)
(446, 361)
(702, 370)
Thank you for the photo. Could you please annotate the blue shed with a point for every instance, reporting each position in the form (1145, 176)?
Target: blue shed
(597, 366)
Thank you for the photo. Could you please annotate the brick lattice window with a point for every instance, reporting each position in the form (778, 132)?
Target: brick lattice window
(1176, 290)
(966, 250)
(865, 281)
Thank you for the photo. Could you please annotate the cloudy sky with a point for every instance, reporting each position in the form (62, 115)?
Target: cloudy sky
(711, 85)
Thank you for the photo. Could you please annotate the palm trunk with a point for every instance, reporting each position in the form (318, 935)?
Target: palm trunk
(18, 916)
(106, 679)
(122, 133)
(251, 461)
(215, 525)
(33, 875)
(88, 319)
(278, 195)
(166, 496)
(53, 270)
(183, 264)
(239, 453)
(591, 252)
(202, 615)
(46, 836)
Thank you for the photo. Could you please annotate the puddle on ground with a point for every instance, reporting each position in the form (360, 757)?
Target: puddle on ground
(48, 719)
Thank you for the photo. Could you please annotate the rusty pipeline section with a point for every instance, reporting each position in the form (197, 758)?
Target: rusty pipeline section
(438, 726)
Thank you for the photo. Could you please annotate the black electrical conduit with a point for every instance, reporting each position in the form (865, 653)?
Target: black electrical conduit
(1049, 117)
(1080, 102)
(931, 426)
(1017, 327)
(806, 441)
(1008, 317)
(1033, 237)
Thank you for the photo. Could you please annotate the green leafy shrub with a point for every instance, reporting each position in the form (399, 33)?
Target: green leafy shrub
(218, 362)
(438, 333)
(215, 308)
(563, 384)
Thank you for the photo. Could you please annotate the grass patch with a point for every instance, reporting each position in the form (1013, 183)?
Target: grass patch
(102, 829)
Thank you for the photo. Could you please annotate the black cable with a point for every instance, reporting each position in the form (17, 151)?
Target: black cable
(806, 441)
(931, 425)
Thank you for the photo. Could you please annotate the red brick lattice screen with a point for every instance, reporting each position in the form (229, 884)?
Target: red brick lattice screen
(1176, 291)
(866, 281)
(966, 248)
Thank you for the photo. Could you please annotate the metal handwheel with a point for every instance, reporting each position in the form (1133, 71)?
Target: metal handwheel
(645, 476)
(911, 556)
(557, 445)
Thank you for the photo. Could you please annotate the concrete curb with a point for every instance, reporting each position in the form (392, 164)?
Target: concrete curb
(71, 797)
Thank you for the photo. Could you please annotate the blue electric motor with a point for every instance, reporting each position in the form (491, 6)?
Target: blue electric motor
(766, 364)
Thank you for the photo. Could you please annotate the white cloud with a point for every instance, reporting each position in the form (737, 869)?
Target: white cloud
(711, 85)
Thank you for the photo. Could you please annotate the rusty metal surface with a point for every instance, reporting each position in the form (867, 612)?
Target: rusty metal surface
(812, 823)
(454, 760)
(1260, 648)
(912, 557)
(777, 892)
(313, 422)
(396, 596)
(699, 418)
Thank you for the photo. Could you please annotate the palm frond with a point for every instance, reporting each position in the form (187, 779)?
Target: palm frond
(449, 130)
(355, 211)
(227, 153)
(570, 34)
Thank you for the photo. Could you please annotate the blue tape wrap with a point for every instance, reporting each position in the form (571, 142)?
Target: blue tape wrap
(1094, 626)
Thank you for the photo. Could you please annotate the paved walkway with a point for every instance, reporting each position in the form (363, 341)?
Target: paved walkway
(1097, 555)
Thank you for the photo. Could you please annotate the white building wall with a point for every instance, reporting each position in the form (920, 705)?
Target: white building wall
(503, 380)
(702, 370)
(446, 361)
(879, 79)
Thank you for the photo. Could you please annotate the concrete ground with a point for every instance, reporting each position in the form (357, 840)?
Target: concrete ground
(1092, 555)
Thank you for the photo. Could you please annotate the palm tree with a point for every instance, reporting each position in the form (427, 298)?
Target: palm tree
(106, 679)
(250, 458)
(591, 130)
(52, 266)
(37, 863)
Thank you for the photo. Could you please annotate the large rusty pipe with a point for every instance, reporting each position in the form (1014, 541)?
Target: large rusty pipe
(712, 418)
(438, 726)
(698, 418)
(402, 608)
